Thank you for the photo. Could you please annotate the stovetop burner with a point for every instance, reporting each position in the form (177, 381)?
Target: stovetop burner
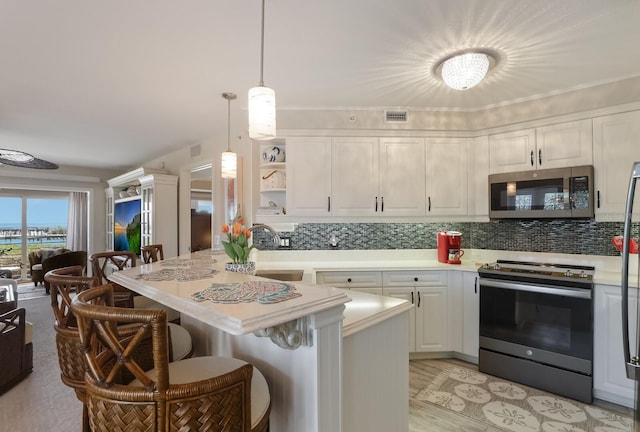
(533, 270)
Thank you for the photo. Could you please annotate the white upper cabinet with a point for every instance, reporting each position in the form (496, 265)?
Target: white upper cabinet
(564, 144)
(616, 145)
(555, 146)
(447, 173)
(512, 151)
(354, 176)
(402, 177)
(308, 176)
(478, 181)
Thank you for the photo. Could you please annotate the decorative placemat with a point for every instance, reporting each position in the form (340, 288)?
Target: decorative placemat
(209, 252)
(180, 274)
(187, 262)
(246, 292)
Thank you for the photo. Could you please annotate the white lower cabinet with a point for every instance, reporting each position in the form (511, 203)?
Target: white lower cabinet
(428, 291)
(610, 382)
(445, 317)
(363, 281)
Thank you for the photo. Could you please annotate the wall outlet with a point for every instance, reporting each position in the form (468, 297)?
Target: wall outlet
(285, 243)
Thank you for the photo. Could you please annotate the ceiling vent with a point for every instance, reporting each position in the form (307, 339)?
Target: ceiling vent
(395, 116)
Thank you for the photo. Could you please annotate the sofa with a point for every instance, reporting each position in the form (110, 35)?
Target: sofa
(35, 262)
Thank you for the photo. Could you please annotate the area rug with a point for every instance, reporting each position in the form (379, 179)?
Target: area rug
(515, 407)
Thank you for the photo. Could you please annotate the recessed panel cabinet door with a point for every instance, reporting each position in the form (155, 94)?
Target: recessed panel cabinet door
(616, 145)
(308, 176)
(512, 151)
(431, 319)
(447, 171)
(354, 176)
(402, 177)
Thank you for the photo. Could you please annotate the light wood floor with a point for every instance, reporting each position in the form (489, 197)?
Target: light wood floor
(426, 417)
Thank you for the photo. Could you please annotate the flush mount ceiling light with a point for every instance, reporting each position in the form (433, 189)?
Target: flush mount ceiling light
(24, 160)
(262, 103)
(466, 70)
(229, 161)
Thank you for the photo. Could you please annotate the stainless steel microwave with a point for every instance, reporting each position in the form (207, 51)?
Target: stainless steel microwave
(548, 193)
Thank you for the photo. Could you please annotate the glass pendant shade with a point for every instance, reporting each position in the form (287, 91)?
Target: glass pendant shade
(262, 113)
(465, 71)
(229, 165)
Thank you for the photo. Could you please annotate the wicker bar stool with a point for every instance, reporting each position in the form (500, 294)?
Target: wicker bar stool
(63, 282)
(152, 253)
(196, 394)
(104, 263)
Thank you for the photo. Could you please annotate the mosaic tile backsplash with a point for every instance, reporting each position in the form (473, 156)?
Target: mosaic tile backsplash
(573, 236)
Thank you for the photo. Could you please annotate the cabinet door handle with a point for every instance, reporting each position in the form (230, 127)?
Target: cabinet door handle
(429, 198)
(598, 199)
(531, 157)
(418, 298)
(382, 204)
(415, 279)
(349, 280)
(540, 157)
(376, 204)
(475, 286)
(412, 302)
(329, 204)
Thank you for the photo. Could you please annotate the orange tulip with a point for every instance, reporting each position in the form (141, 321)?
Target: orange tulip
(247, 233)
(225, 228)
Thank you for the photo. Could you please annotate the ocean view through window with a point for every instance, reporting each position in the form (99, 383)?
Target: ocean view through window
(28, 224)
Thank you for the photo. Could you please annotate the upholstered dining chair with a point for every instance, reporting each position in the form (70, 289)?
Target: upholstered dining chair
(197, 394)
(152, 253)
(63, 283)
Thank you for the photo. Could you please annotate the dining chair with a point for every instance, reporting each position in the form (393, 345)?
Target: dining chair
(197, 394)
(152, 253)
(105, 263)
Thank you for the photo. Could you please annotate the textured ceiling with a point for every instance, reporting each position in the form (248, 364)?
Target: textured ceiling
(82, 83)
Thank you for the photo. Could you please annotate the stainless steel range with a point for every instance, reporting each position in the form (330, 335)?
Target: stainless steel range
(536, 325)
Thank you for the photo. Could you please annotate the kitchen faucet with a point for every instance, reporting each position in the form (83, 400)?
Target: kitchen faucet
(276, 237)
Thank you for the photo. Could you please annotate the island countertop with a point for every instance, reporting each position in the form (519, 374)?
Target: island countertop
(234, 318)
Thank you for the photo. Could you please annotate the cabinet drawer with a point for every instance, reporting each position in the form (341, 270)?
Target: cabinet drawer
(414, 278)
(350, 279)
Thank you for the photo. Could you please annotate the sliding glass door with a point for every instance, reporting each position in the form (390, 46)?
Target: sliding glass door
(30, 221)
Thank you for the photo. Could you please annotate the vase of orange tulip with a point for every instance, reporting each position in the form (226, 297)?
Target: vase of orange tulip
(237, 247)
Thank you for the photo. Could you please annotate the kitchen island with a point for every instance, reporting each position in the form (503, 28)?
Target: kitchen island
(334, 360)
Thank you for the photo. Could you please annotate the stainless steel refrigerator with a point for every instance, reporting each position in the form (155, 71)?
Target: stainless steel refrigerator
(632, 361)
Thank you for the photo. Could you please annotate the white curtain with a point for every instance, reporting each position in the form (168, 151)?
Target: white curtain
(77, 221)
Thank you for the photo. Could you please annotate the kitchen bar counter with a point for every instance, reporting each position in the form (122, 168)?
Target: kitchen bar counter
(332, 380)
(234, 318)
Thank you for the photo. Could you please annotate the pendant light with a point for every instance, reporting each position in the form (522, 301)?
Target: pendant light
(262, 103)
(229, 161)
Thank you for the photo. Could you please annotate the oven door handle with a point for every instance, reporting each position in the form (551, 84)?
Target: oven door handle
(542, 289)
